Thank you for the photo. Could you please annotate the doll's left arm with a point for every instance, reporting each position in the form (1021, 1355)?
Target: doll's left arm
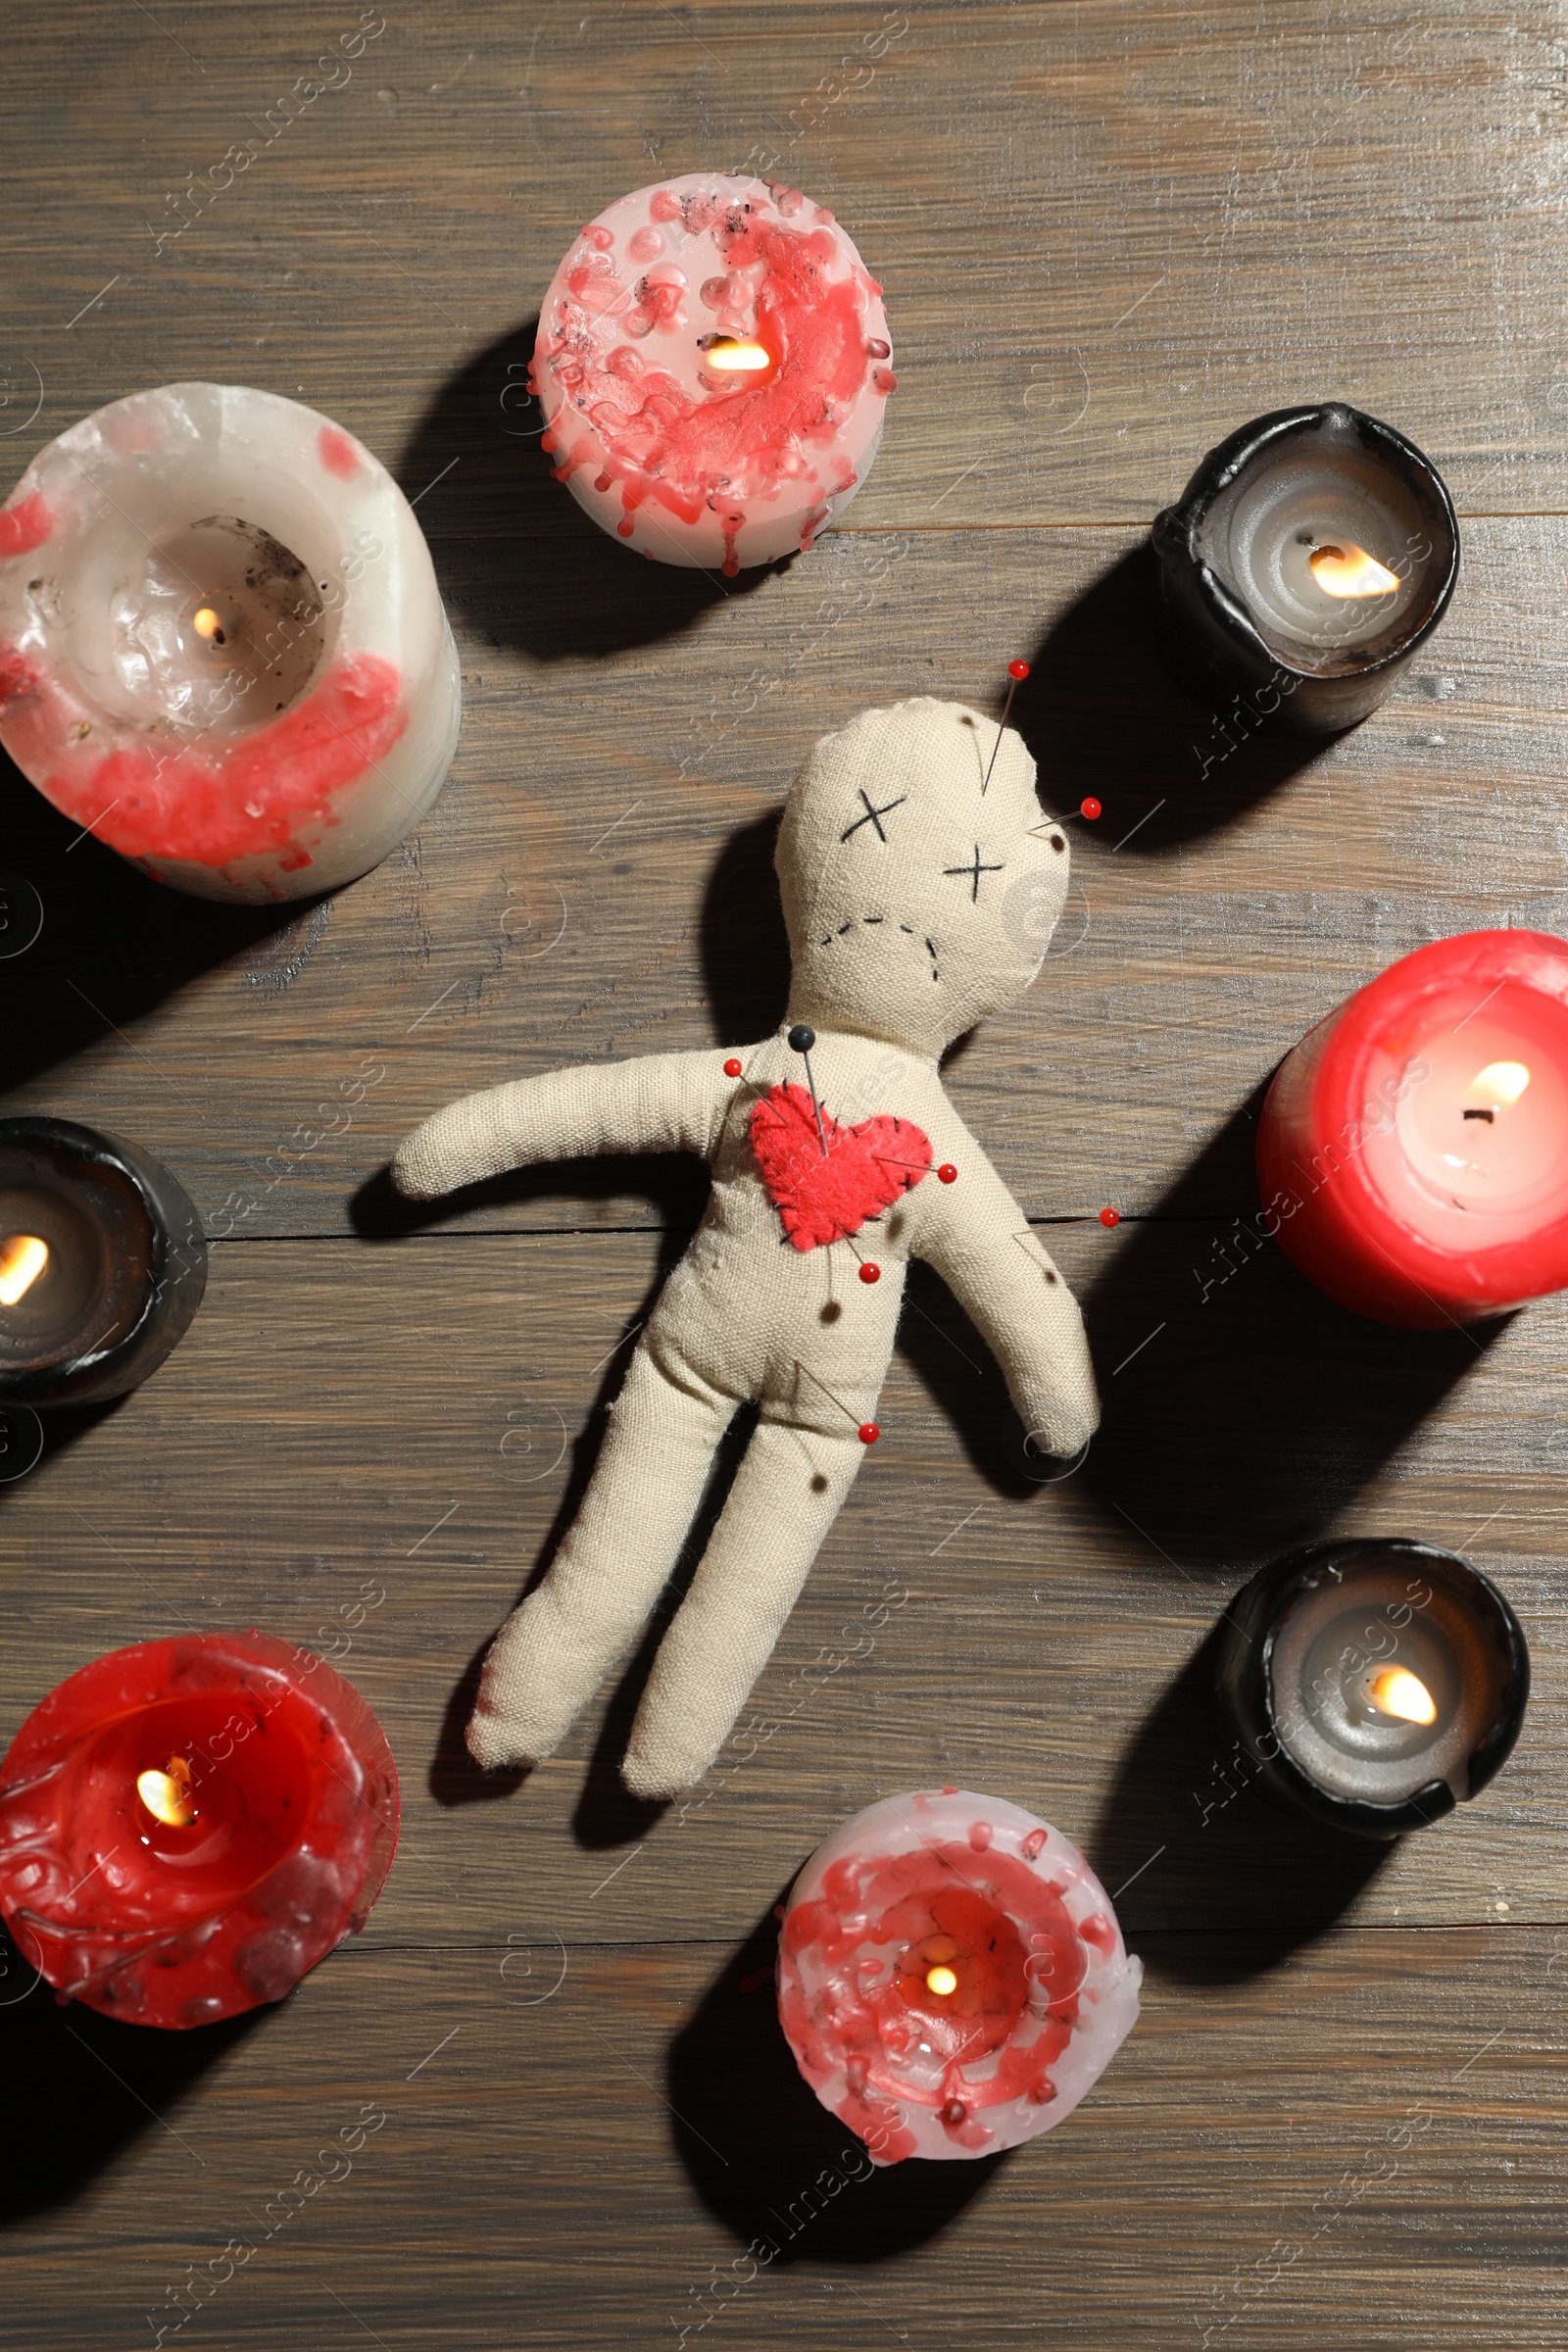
(979, 1241)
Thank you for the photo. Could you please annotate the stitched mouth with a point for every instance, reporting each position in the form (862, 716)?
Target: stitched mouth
(893, 926)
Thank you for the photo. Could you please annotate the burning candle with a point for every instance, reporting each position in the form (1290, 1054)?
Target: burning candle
(102, 1263)
(1377, 1683)
(952, 1977)
(221, 646)
(187, 1827)
(1413, 1149)
(1311, 553)
(713, 364)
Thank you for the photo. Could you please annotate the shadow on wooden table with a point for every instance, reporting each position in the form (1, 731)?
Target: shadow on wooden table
(515, 554)
(1102, 714)
(1225, 1883)
(115, 944)
(1243, 1410)
(768, 2159)
(59, 1430)
(81, 2088)
(745, 947)
(676, 1186)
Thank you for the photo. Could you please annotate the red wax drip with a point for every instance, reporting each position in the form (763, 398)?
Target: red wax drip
(26, 525)
(687, 452)
(337, 453)
(198, 804)
(295, 1800)
(1006, 1934)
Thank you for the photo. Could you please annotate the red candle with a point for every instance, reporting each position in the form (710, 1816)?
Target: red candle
(1413, 1149)
(187, 1827)
(952, 1977)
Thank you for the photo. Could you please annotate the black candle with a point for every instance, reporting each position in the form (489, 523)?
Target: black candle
(1376, 1683)
(1311, 553)
(102, 1263)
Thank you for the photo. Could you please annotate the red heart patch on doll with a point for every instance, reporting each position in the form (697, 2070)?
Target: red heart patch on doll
(822, 1196)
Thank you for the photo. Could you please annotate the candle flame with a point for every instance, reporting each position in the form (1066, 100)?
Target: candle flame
(1500, 1083)
(1398, 1691)
(941, 1980)
(1350, 571)
(209, 625)
(167, 1793)
(22, 1259)
(726, 356)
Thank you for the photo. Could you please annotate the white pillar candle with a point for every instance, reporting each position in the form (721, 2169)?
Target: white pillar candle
(223, 650)
(952, 1977)
(713, 364)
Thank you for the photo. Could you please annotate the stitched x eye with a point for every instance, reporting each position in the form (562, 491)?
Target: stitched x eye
(873, 815)
(973, 872)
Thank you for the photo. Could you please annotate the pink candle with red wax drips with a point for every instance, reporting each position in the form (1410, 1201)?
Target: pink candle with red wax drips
(1413, 1151)
(187, 1827)
(223, 650)
(713, 364)
(952, 1977)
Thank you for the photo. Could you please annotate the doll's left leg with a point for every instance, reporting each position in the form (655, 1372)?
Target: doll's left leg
(787, 1495)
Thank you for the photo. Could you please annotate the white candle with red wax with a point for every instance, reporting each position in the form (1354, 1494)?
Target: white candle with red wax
(1413, 1151)
(187, 1827)
(223, 650)
(952, 1977)
(713, 364)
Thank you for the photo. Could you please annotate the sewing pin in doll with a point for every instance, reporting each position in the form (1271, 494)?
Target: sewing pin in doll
(801, 1041)
(866, 1431)
(1017, 672)
(870, 1272)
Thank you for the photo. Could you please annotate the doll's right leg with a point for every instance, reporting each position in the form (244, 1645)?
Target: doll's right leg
(613, 1561)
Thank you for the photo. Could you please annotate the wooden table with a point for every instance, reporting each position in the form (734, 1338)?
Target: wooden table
(1109, 234)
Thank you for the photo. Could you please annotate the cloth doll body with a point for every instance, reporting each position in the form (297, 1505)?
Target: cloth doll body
(914, 905)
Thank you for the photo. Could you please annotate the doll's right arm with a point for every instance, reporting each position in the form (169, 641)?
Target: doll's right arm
(658, 1103)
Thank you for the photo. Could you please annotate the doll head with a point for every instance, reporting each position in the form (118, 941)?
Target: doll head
(915, 904)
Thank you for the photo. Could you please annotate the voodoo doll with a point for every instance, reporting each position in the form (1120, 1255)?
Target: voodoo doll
(921, 882)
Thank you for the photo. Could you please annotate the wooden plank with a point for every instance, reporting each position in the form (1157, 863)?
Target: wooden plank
(418, 1420)
(1362, 2143)
(574, 894)
(1107, 235)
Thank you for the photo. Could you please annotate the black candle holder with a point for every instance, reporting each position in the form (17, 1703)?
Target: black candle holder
(1244, 620)
(124, 1271)
(1413, 1606)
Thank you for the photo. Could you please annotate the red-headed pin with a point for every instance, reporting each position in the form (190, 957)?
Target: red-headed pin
(733, 1069)
(1017, 672)
(1090, 809)
(1111, 1216)
(869, 1433)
